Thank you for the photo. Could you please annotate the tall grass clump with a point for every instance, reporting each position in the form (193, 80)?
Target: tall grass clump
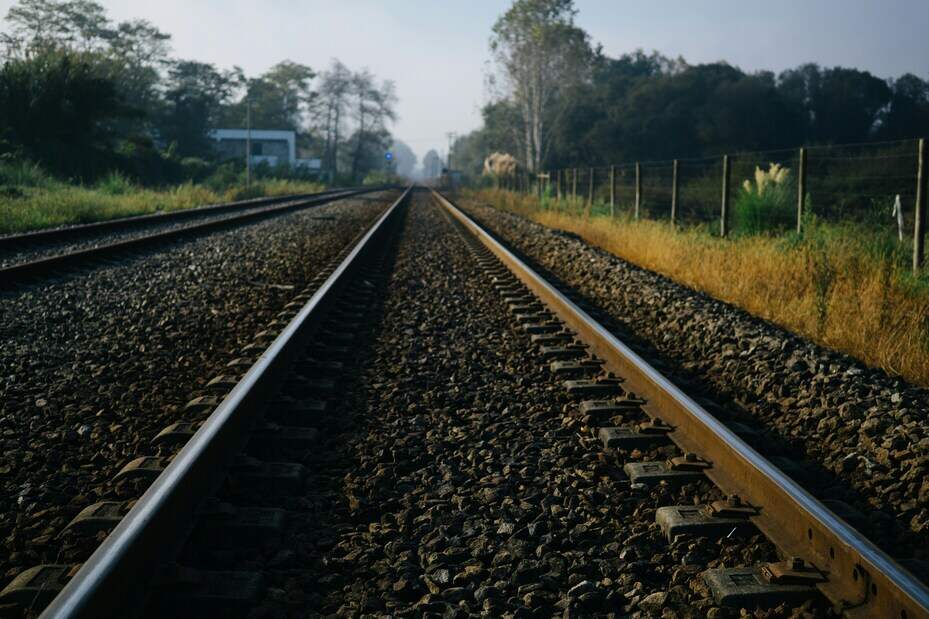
(767, 204)
(843, 286)
(19, 173)
(116, 184)
(31, 200)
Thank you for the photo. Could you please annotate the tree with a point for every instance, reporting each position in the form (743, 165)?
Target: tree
(908, 112)
(404, 159)
(280, 98)
(331, 104)
(540, 52)
(41, 25)
(136, 59)
(373, 108)
(55, 108)
(133, 54)
(195, 96)
(432, 165)
(841, 105)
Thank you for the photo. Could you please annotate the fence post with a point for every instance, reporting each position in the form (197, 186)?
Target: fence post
(638, 189)
(724, 209)
(801, 188)
(612, 192)
(674, 186)
(919, 232)
(590, 189)
(574, 183)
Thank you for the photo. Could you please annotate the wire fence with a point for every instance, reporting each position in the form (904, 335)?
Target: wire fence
(880, 186)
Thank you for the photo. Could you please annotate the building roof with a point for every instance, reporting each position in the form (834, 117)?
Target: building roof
(257, 134)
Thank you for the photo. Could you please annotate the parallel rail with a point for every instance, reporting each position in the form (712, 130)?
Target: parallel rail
(112, 578)
(17, 274)
(56, 235)
(863, 581)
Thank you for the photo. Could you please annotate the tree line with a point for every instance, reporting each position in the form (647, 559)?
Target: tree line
(83, 96)
(559, 101)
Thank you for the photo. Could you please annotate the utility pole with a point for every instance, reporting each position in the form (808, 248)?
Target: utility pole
(451, 135)
(248, 143)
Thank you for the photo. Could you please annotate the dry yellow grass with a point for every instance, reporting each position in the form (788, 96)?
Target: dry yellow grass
(834, 287)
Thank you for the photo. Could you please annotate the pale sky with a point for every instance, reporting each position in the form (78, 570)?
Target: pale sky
(436, 50)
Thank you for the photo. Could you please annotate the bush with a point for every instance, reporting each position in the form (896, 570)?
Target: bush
(57, 108)
(379, 177)
(766, 205)
(225, 176)
(195, 169)
(21, 173)
(115, 184)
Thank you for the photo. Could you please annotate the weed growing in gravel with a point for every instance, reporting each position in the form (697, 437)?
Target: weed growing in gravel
(841, 285)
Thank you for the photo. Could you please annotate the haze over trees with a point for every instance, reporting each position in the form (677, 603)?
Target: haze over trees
(646, 106)
(432, 164)
(83, 96)
(404, 159)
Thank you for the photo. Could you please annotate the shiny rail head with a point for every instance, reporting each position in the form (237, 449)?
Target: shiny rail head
(891, 591)
(152, 527)
(25, 272)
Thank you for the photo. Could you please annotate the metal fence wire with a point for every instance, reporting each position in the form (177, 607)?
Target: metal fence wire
(873, 186)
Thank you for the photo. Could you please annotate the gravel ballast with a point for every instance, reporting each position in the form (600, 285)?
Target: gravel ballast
(93, 365)
(456, 480)
(11, 255)
(865, 434)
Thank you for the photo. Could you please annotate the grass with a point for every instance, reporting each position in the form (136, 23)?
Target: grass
(30, 200)
(842, 286)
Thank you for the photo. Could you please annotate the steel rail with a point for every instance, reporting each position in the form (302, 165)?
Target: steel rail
(863, 581)
(54, 235)
(19, 273)
(155, 526)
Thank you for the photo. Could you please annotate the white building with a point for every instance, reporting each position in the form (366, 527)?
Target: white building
(272, 147)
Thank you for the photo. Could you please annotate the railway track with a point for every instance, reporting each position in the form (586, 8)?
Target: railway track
(31, 256)
(642, 471)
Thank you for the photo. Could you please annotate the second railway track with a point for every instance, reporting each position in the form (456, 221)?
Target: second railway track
(489, 448)
(28, 257)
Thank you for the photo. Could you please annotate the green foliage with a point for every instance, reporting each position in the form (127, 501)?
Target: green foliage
(649, 107)
(56, 204)
(21, 173)
(54, 109)
(540, 54)
(115, 184)
(85, 97)
(225, 175)
(772, 210)
(380, 177)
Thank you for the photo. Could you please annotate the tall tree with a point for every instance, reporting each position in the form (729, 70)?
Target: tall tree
(404, 158)
(539, 52)
(40, 25)
(280, 98)
(137, 59)
(373, 109)
(908, 112)
(334, 92)
(432, 164)
(841, 105)
(55, 108)
(195, 95)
